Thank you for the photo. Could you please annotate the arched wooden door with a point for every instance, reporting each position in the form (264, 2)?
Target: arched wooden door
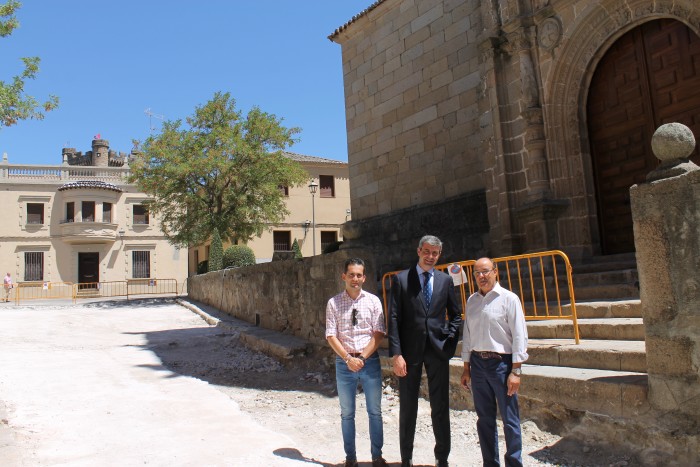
(649, 77)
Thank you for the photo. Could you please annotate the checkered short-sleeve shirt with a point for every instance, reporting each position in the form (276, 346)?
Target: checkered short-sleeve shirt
(339, 322)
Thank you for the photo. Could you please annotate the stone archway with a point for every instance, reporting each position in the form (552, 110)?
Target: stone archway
(648, 77)
(574, 61)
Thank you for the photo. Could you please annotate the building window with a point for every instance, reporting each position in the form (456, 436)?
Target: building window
(141, 264)
(35, 213)
(107, 212)
(34, 266)
(70, 212)
(328, 238)
(326, 186)
(88, 211)
(282, 240)
(284, 190)
(140, 214)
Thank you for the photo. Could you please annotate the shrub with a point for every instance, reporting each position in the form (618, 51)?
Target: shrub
(238, 255)
(216, 252)
(203, 267)
(296, 250)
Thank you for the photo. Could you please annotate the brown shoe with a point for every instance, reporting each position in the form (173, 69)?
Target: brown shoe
(379, 462)
(350, 463)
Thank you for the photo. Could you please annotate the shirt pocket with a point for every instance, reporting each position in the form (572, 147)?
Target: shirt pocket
(495, 312)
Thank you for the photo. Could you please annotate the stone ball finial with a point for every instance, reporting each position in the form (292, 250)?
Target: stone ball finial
(672, 141)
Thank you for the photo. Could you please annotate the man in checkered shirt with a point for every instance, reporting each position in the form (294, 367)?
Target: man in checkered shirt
(354, 329)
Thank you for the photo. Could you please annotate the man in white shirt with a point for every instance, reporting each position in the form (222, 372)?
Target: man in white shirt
(494, 346)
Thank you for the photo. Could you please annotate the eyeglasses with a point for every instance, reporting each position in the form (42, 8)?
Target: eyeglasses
(482, 273)
(354, 317)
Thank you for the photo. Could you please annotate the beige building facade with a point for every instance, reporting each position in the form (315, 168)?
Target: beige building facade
(81, 222)
(510, 126)
(312, 219)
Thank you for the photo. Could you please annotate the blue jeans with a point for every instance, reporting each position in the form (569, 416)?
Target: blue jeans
(489, 386)
(371, 378)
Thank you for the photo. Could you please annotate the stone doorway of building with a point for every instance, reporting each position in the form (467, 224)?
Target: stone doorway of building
(88, 270)
(650, 76)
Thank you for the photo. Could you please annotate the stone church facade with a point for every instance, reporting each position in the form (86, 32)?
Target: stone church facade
(510, 126)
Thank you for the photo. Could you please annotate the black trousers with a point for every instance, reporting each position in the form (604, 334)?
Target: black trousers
(438, 371)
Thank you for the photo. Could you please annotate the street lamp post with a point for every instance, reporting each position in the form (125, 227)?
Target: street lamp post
(313, 186)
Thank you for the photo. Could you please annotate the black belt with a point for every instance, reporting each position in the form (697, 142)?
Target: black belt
(488, 355)
(354, 355)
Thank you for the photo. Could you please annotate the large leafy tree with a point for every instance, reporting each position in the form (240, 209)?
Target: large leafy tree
(15, 105)
(222, 172)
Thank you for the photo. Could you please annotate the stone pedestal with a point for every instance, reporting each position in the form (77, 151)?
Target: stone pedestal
(666, 215)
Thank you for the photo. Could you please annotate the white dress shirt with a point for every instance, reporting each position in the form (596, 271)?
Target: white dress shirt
(495, 322)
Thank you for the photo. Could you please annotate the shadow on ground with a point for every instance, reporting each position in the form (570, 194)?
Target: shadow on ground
(217, 355)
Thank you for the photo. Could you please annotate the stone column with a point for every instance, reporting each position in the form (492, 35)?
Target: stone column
(666, 216)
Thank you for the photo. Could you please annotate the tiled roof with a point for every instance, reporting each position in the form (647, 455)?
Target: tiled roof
(90, 184)
(355, 18)
(313, 159)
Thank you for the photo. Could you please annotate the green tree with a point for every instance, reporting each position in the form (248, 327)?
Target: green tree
(15, 105)
(216, 252)
(239, 255)
(297, 250)
(222, 172)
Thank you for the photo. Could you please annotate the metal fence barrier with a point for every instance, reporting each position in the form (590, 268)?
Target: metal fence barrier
(151, 287)
(100, 289)
(42, 291)
(86, 290)
(541, 280)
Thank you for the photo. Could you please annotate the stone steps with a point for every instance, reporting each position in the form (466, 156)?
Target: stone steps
(592, 328)
(614, 355)
(611, 355)
(607, 309)
(557, 388)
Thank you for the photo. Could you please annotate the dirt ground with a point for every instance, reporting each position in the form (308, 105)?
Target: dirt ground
(295, 404)
(299, 400)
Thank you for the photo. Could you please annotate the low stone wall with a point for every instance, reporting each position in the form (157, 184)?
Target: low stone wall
(285, 296)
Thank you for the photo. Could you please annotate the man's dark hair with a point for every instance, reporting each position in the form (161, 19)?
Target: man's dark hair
(355, 261)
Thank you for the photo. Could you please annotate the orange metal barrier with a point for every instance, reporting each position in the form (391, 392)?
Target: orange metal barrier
(42, 291)
(151, 287)
(541, 280)
(99, 289)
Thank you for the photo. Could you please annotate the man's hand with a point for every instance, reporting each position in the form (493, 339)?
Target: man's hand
(355, 364)
(513, 384)
(466, 378)
(399, 366)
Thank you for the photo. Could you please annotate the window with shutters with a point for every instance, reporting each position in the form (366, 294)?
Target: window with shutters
(140, 214)
(35, 213)
(326, 186)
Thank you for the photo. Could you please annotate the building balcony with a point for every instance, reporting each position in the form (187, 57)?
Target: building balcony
(88, 232)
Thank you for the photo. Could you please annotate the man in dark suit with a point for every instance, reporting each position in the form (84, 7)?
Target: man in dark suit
(424, 321)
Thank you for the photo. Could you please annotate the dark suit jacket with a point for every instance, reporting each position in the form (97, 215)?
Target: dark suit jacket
(410, 320)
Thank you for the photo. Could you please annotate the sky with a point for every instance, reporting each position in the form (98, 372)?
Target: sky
(109, 61)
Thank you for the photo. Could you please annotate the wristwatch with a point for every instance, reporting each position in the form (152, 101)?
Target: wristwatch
(362, 358)
(517, 371)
